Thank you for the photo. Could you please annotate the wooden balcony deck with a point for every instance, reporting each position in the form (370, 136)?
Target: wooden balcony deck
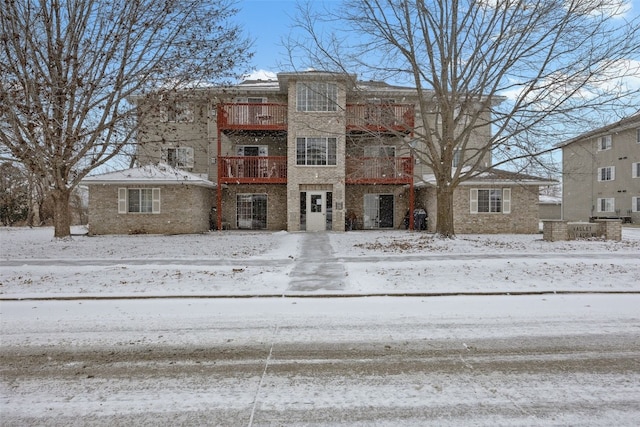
(360, 117)
(273, 170)
(380, 117)
(379, 170)
(252, 116)
(253, 170)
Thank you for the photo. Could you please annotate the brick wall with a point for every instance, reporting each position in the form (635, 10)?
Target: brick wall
(276, 204)
(184, 209)
(355, 200)
(315, 124)
(523, 218)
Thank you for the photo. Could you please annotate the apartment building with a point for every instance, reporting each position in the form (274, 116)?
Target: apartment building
(308, 151)
(601, 173)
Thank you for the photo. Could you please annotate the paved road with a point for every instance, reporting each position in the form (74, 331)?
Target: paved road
(292, 363)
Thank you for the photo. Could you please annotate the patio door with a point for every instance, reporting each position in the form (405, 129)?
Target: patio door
(316, 211)
(378, 211)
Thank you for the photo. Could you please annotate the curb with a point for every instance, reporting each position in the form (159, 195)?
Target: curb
(308, 296)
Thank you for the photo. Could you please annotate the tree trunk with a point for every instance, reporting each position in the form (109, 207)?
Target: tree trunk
(444, 216)
(61, 213)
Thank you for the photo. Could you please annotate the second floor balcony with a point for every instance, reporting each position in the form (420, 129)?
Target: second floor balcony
(253, 169)
(273, 170)
(252, 116)
(379, 170)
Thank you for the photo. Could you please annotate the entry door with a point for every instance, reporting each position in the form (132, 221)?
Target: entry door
(316, 212)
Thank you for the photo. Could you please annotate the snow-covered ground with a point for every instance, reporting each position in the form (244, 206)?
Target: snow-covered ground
(33, 264)
(504, 360)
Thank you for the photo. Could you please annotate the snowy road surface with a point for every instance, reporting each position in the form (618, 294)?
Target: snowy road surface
(511, 360)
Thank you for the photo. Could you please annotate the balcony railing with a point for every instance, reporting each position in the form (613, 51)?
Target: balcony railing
(380, 117)
(248, 170)
(252, 116)
(379, 170)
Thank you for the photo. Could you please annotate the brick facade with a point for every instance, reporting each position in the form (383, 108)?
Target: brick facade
(184, 209)
(234, 130)
(276, 204)
(523, 218)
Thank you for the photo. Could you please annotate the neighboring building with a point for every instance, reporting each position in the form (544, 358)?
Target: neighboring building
(310, 150)
(601, 173)
(549, 207)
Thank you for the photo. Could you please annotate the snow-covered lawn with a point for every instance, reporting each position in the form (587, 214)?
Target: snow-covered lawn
(33, 264)
(501, 360)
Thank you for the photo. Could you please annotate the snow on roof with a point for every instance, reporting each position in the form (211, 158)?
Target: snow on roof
(549, 200)
(263, 75)
(493, 176)
(149, 174)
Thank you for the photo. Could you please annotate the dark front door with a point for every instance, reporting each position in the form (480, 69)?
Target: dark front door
(386, 211)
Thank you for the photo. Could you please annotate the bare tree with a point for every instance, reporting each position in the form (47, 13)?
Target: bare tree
(531, 70)
(67, 69)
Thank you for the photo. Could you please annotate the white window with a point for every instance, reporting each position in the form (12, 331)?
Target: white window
(316, 151)
(457, 156)
(178, 112)
(138, 200)
(180, 157)
(638, 135)
(635, 204)
(607, 174)
(317, 96)
(635, 170)
(491, 200)
(606, 205)
(604, 143)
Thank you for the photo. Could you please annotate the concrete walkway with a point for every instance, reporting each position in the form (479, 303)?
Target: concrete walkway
(316, 267)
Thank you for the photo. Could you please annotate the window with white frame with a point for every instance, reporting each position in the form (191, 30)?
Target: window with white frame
(607, 173)
(635, 204)
(180, 157)
(457, 155)
(138, 200)
(178, 112)
(316, 96)
(604, 143)
(316, 151)
(638, 135)
(491, 200)
(606, 204)
(635, 170)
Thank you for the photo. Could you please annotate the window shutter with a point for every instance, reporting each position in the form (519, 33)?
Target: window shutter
(506, 200)
(473, 202)
(122, 200)
(188, 153)
(155, 206)
(164, 113)
(600, 174)
(613, 173)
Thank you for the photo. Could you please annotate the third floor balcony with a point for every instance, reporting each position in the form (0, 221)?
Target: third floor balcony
(372, 117)
(379, 170)
(359, 117)
(252, 116)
